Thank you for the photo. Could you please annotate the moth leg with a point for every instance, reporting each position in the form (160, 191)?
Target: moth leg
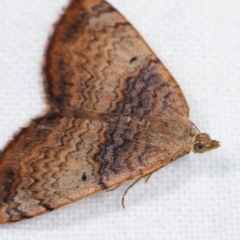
(146, 180)
(151, 173)
(109, 190)
(148, 176)
(126, 191)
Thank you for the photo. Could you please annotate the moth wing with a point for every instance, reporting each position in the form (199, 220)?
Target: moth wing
(96, 61)
(56, 161)
(117, 104)
(49, 164)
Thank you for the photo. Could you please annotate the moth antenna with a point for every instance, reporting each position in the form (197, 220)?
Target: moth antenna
(196, 127)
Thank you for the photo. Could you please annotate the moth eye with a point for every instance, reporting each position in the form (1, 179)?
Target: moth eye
(200, 148)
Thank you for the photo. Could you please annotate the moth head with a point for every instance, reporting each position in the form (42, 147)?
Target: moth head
(203, 143)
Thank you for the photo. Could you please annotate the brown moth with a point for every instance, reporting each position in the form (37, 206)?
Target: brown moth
(115, 114)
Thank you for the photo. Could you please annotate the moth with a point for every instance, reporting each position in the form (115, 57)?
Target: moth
(115, 114)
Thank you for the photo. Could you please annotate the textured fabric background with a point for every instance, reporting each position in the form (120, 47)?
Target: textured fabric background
(195, 198)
